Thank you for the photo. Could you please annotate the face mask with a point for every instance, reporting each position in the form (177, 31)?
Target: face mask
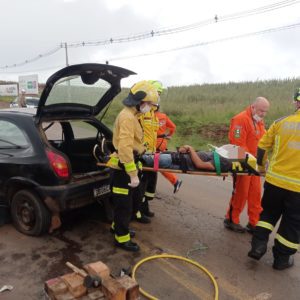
(145, 109)
(257, 118)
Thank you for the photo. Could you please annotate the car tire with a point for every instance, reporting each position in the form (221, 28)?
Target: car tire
(29, 214)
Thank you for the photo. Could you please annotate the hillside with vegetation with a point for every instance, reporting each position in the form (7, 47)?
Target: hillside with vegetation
(202, 112)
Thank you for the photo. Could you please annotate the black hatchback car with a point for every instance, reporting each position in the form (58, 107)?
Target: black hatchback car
(46, 155)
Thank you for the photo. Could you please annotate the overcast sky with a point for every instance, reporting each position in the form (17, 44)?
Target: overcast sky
(33, 27)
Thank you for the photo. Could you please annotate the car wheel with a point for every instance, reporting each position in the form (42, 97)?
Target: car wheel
(29, 214)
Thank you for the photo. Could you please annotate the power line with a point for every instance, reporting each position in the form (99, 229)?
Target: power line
(48, 53)
(270, 30)
(166, 31)
(36, 70)
(162, 32)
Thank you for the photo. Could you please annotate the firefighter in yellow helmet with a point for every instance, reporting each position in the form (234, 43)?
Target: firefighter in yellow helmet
(128, 142)
(281, 199)
(146, 192)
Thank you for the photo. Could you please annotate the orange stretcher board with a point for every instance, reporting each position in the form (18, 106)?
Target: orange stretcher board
(205, 173)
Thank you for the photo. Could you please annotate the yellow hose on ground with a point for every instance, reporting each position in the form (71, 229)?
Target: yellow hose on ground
(147, 295)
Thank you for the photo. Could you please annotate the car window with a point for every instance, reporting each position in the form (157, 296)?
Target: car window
(11, 136)
(32, 101)
(53, 131)
(82, 130)
(74, 90)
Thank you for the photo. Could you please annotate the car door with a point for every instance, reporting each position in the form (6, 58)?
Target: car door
(15, 150)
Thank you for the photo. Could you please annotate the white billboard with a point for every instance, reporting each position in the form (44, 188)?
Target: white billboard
(8, 90)
(29, 83)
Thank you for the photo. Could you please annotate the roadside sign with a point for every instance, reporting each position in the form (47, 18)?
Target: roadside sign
(29, 83)
(8, 90)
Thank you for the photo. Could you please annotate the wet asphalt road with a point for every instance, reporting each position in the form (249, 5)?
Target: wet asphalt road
(188, 224)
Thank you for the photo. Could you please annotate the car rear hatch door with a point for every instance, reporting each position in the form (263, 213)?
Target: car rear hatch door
(80, 90)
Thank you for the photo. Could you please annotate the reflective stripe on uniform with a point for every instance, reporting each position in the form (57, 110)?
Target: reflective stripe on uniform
(285, 242)
(113, 225)
(139, 165)
(122, 238)
(265, 225)
(275, 152)
(151, 195)
(284, 178)
(129, 167)
(120, 191)
(113, 162)
(138, 214)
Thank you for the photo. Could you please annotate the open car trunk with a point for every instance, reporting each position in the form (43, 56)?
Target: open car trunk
(76, 139)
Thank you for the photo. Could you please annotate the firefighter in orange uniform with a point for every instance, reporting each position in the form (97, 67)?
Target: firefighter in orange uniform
(165, 131)
(246, 129)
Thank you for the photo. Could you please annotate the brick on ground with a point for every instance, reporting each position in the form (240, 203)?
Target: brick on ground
(65, 296)
(131, 286)
(75, 285)
(98, 268)
(96, 294)
(55, 287)
(113, 290)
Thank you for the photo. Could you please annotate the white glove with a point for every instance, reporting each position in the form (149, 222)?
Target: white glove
(134, 181)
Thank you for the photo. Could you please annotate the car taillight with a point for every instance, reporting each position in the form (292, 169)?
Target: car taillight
(58, 163)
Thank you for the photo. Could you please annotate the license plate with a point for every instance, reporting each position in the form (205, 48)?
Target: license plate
(105, 189)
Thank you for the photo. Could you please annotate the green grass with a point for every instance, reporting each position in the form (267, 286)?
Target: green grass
(202, 113)
(7, 98)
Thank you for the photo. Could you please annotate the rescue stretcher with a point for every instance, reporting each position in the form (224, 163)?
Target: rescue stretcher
(241, 162)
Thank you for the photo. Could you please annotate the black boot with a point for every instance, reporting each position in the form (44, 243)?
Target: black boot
(143, 219)
(282, 262)
(259, 248)
(128, 246)
(234, 227)
(145, 210)
(149, 214)
(131, 232)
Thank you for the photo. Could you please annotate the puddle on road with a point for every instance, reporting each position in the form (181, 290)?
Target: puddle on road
(69, 253)
(17, 256)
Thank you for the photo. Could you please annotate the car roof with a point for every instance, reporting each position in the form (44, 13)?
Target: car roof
(32, 97)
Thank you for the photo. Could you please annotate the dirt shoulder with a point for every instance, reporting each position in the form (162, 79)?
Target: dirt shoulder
(4, 104)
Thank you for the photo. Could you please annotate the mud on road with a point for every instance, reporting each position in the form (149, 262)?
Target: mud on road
(188, 224)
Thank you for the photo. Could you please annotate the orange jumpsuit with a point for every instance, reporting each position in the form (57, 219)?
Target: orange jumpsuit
(246, 133)
(167, 128)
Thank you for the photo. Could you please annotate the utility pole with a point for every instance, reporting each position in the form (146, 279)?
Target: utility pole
(66, 51)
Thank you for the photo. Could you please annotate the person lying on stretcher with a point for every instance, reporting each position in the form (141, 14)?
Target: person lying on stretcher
(225, 159)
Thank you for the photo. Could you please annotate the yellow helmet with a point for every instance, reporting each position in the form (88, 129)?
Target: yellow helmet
(158, 85)
(297, 95)
(142, 91)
